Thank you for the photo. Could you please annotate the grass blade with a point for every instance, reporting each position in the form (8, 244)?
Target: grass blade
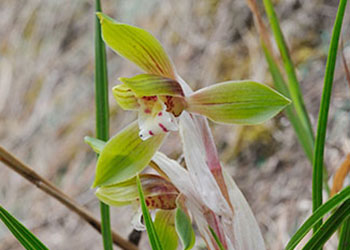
(151, 231)
(293, 84)
(327, 229)
(102, 116)
(323, 113)
(306, 139)
(305, 136)
(344, 240)
(28, 240)
(218, 242)
(327, 207)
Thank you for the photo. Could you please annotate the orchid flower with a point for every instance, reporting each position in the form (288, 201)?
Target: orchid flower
(165, 102)
(160, 96)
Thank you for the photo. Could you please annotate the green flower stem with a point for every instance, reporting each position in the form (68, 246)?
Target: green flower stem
(323, 114)
(102, 116)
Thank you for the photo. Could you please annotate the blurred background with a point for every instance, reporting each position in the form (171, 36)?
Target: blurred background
(47, 105)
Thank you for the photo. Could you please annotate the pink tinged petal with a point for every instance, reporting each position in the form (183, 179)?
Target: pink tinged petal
(151, 123)
(200, 174)
(136, 45)
(242, 229)
(203, 216)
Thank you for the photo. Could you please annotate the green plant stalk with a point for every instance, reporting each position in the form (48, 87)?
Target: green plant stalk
(102, 116)
(327, 229)
(307, 142)
(323, 113)
(293, 84)
(344, 240)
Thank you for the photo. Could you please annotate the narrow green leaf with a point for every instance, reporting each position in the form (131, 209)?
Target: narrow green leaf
(184, 229)
(28, 240)
(151, 231)
(102, 116)
(150, 85)
(136, 45)
(159, 193)
(327, 207)
(164, 224)
(322, 235)
(317, 176)
(240, 102)
(124, 155)
(344, 240)
(96, 144)
(217, 240)
(293, 84)
(305, 139)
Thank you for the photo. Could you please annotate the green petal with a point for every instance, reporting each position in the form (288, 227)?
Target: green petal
(239, 102)
(159, 193)
(124, 155)
(184, 229)
(137, 45)
(96, 144)
(150, 85)
(164, 224)
(125, 97)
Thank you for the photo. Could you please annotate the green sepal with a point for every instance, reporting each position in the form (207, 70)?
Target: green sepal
(184, 229)
(238, 102)
(136, 45)
(164, 224)
(150, 85)
(124, 155)
(96, 144)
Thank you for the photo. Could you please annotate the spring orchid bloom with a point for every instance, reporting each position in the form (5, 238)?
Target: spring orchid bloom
(166, 103)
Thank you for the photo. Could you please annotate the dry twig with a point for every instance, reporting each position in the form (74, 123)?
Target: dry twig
(25, 171)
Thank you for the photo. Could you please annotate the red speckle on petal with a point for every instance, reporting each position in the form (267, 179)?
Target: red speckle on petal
(150, 132)
(147, 111)
(163, 127)
(160, 114)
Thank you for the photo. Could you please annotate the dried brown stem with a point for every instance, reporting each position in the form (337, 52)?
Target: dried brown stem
(346, 68)
(25, 171)
(262, 29)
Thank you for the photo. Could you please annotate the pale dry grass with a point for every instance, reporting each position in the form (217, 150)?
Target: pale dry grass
(47, 105)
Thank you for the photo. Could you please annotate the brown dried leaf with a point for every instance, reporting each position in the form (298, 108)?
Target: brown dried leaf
(340, 175)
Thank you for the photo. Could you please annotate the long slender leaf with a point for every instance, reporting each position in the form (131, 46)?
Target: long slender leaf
(323, 114)
(28, 240)
(306, 140)
(344, 240)
(151, 231)
(328, 206)
(293, 84)
(218, 242)
(327, 229)
(102, 116)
